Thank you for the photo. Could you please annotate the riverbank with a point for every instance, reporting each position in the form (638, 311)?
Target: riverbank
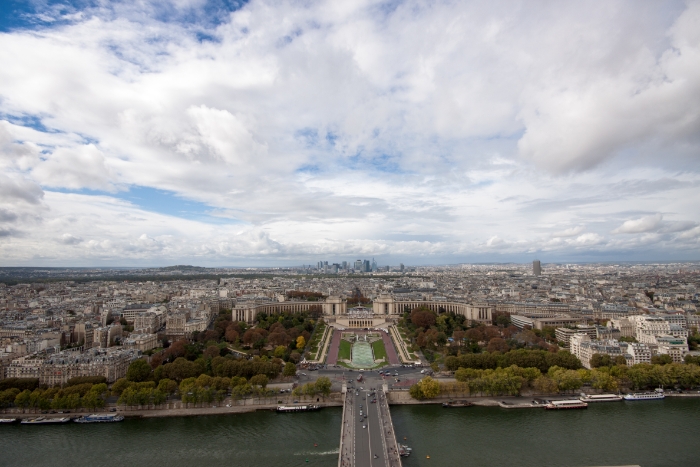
(396, 398)
(177, 411)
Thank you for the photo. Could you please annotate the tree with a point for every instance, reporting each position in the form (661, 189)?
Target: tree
(416, 392)
(323, 385)
(259, 380)
(662, 359)
(232, 333)
(422, 318)
(204, 381)
(294, 357)
(474, 335)
(212, 351)
(692, 360)
(7, 397)
(567, 380)
(120, 386)
(429, 387)
(603, 380)
(167, 386)
(290, 369)
(301, 342)
(598, 360)
(545, 385)
(138, 371)
(620, 360)
(280, 351)
(497, 344)
(23, 399)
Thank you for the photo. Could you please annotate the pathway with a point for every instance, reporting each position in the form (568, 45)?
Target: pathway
(390, 349)
(334, 349)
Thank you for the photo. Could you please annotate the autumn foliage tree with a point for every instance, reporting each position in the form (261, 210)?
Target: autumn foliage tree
(422, 318)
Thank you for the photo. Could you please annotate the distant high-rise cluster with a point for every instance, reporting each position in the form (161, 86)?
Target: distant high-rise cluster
(537, 267)
(358, 266)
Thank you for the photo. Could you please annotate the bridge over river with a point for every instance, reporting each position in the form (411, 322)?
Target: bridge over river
(367, 440)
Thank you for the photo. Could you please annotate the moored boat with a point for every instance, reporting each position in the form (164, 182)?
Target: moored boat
(100, 418)
(456, 404)
(7, 420)
(45, 421)
(404, 450)
(522, 405)
(645, 396)
(567, 404)
(297, 408)
(600, 398)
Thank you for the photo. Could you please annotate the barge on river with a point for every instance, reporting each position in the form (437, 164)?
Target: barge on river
(566, 405)
(456, 404)
(297, 408)
(522, 405)
(645, 396)
(100, 418)
(45, 421)
(600, 398)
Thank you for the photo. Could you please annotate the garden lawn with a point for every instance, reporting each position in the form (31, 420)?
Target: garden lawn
(344, 351)
(379, 350)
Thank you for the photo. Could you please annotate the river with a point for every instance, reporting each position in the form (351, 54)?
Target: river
(650, 433)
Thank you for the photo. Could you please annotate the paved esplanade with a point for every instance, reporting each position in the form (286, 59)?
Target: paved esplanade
(367, 439)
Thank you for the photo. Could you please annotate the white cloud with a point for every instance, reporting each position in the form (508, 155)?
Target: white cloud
(69, 239)
(570, 232)
(641, 225)
(332, 128)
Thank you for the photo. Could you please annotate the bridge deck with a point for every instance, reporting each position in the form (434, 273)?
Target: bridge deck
(370, 440)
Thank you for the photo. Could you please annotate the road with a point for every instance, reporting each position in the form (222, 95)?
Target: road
(368, 436)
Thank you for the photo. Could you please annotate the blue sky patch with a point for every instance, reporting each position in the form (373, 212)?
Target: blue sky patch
(162, 202)
(31, 14)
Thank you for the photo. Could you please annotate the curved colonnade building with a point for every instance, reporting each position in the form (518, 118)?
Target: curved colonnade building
(385, 310)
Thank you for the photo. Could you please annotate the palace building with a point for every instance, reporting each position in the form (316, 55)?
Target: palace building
(385, 310)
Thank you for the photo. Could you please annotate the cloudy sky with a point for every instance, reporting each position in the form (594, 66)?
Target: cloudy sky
(215, 132)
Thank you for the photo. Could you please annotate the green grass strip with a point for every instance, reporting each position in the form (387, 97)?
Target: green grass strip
(345, 350)
(379, 350)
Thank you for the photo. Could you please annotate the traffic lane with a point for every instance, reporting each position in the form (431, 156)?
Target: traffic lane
(376, 433)
(362, 447)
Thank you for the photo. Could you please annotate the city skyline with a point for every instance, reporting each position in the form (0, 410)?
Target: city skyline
(258, 133)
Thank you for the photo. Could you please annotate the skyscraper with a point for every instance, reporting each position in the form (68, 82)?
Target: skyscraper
(536, 267)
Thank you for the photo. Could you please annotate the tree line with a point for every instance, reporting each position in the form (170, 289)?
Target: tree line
(86, 395)
(513, 379)
(523, 358)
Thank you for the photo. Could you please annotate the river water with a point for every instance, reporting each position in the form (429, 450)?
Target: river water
(650, 433)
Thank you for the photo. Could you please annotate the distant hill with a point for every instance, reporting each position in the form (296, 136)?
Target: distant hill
(183, 267)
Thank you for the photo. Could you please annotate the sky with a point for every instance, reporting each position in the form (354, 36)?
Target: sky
(221, 132)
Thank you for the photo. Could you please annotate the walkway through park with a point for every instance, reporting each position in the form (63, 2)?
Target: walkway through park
(390, 350)
(334, 348)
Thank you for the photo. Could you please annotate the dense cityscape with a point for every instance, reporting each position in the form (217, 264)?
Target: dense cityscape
(58, 330)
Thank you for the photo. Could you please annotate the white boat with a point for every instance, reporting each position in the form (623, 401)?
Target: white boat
(8, 420)
(297, 408)
(600, 398)
(645, 396)
(45, 421)
(100, 418)
(567, 404)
